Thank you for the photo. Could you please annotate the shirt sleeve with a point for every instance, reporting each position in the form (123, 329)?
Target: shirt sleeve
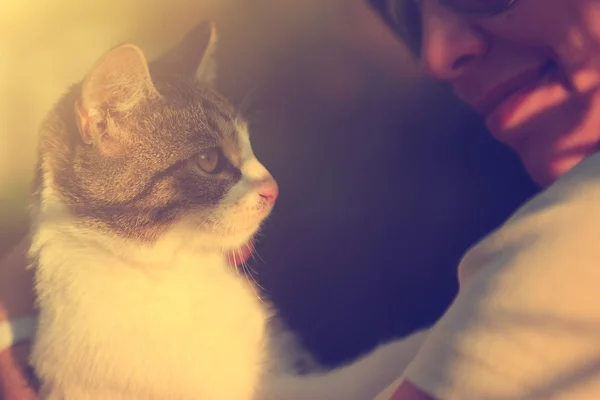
(17, 330)
(17, 313)
(526, 321)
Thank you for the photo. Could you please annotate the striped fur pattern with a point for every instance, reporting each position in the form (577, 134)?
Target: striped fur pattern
(146, 179)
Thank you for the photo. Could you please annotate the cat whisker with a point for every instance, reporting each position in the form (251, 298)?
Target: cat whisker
(235, 263)
(252, 249)
(249, 276)
(255, 255)
(242, 265)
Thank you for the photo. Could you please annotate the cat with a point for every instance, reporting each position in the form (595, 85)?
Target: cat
(146, 180)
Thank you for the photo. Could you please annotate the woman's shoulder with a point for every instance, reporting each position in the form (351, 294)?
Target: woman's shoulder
(526, 314)
(561, 221)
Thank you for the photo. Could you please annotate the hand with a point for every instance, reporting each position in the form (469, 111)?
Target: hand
(16, 380)
(407, 391)
(16, 299)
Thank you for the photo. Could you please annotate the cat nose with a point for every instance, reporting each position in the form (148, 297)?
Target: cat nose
(269, 191)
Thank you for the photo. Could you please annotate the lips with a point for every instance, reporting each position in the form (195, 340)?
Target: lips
(501, 103)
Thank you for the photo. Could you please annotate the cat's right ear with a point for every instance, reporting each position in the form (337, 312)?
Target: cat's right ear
(193, 56)
(117, 83)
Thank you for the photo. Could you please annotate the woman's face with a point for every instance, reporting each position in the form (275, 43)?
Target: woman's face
(532, 71)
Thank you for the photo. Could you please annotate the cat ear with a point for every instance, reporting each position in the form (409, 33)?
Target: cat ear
(118, 82)
(193, 56)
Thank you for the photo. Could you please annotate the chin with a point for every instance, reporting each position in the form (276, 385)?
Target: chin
(234, 235)
(545, 172)
(235, 241)
(224, 238)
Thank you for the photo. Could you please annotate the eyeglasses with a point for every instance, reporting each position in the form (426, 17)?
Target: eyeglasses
(405, 15)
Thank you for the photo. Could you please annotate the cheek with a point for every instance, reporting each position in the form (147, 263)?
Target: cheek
(560, 136)
(537, 23)
(241, 198)
(204, 190)
(245, 193)
(108, 181)
(245, 201)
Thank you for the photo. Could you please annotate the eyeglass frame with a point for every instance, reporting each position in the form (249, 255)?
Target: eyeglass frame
(400, 28)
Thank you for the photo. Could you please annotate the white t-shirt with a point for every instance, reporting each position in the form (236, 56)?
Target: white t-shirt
(526, 322)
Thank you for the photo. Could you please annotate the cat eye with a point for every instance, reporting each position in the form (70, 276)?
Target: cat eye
(211, 160)
(405, 15)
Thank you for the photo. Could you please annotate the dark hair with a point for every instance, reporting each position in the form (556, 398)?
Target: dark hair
(403, 19)
(379, 6)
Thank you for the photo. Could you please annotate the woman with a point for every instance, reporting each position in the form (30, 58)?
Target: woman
(532, 69)
(525, 323)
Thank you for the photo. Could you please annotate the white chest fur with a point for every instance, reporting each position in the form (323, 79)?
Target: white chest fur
(112, 329)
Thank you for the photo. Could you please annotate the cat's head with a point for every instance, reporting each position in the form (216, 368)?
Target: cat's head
(138, 150)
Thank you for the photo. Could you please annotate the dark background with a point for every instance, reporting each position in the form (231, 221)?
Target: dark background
(385, 178)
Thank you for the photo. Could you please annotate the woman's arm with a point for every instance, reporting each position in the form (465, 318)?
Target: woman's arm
(16, 283)
(408, 391)
(15, 379)
(526, 321)
(16, 300)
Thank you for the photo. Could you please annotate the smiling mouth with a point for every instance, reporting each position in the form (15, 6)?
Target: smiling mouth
(501, 104)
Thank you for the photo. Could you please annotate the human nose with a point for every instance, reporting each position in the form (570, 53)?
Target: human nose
(451, 44)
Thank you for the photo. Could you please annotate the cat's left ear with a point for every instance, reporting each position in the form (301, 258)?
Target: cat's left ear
(117, 84)
(193, 56)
